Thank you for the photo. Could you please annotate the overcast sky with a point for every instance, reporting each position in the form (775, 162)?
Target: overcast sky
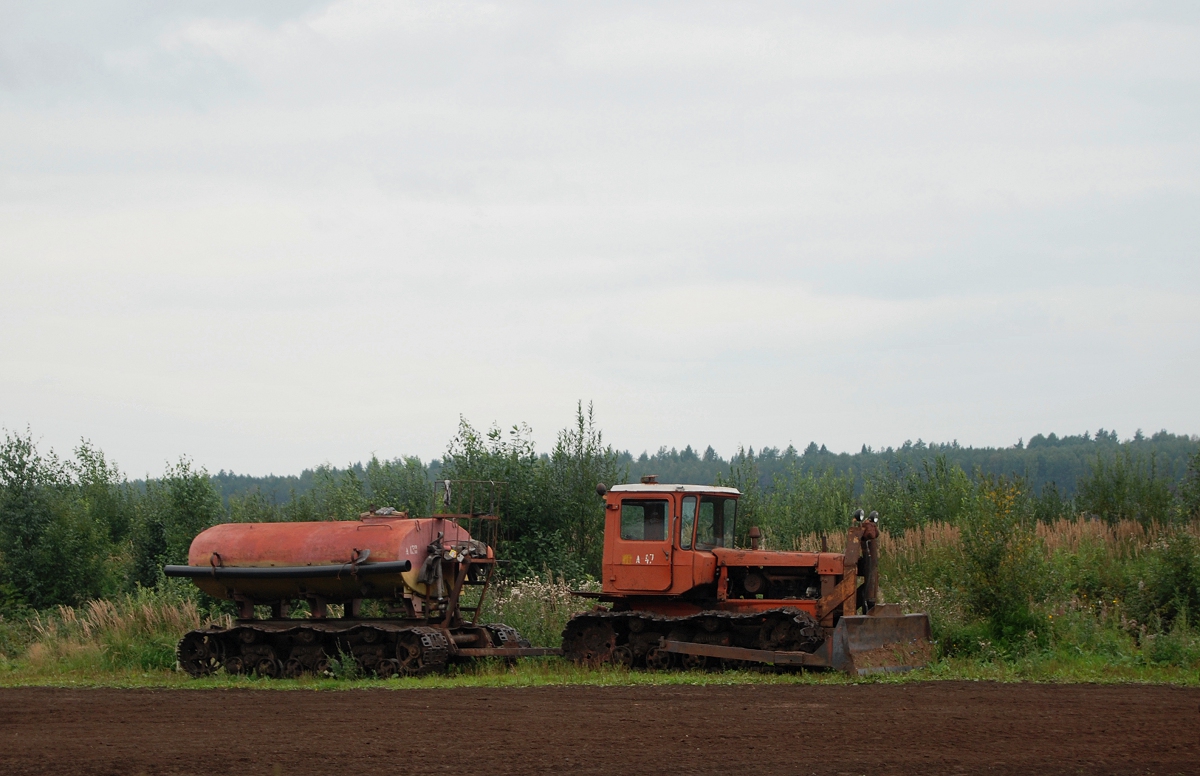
(268, 235)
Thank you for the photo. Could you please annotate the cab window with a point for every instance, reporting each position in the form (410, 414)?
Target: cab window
(644, 520)
(715, 522)
(687, 523)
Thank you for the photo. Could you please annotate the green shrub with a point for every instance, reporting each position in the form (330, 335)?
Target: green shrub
(962, 639)
(1180, 646)
(538, 607)
(1077, 629)
(1004, 571)
(173, 510)
(54, 535)
(344, 666)
(1167, 585)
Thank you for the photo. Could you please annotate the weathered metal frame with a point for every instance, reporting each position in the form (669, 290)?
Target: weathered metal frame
(854, 634)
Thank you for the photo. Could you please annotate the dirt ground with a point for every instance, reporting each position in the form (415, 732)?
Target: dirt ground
(918, 728)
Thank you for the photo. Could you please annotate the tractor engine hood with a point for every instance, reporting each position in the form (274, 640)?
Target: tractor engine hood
(823, 562)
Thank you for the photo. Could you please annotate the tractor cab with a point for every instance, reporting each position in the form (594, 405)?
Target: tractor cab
(658, 539)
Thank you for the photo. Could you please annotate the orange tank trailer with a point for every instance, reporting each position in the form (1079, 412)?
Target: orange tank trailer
(370, 554)
(421, 569)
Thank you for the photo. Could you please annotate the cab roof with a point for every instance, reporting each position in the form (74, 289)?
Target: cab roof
(661, 487)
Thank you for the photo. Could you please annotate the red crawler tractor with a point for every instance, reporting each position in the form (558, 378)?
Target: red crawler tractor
(680, 593)
(424, 570)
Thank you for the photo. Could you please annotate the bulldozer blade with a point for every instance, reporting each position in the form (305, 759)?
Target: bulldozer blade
(868, 644)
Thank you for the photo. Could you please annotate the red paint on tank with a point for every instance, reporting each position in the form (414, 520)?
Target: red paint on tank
(321, 544)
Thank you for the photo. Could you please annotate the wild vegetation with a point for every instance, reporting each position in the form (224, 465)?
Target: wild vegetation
(1097, 580)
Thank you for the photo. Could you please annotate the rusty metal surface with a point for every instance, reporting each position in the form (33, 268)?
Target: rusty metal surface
(510, 652)
(235, 548)
(865, 644)
(871, 632)
(744, 654)
(379, 647)
(837, 597)
(595, 638)
(759, 558)
(287, 572)
(859, 645)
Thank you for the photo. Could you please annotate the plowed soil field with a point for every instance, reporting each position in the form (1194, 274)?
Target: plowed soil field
(916, 728)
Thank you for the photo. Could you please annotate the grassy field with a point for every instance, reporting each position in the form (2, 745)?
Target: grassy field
(555, 671)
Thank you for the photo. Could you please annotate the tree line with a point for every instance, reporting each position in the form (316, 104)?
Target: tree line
(1046, 460)
(76, 528)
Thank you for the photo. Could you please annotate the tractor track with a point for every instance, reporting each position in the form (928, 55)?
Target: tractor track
(928, 727)
(631, 637)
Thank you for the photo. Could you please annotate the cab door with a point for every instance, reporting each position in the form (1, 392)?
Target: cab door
(642, 544)
(682, 559)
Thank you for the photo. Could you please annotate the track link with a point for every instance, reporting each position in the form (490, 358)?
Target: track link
(291, 648)
(633, 638)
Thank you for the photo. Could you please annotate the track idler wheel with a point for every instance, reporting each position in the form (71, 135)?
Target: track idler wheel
(199, 654)
(658, 659)
(421, 650)
(796, 633)
(293, 669)
(622, 656)
(592, 645)
(265, 663)
(268, 667)
(694, 662)
(408, 654)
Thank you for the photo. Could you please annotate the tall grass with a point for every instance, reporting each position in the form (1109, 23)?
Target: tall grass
(1124, 539)
(136, 631)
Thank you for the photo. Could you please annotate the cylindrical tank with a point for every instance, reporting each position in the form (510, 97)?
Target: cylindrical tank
(374, 539)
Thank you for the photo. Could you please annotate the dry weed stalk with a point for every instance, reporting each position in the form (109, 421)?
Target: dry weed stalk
(1126, 539)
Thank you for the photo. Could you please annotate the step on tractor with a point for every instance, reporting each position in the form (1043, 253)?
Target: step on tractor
(427, 575)
(679, 593)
